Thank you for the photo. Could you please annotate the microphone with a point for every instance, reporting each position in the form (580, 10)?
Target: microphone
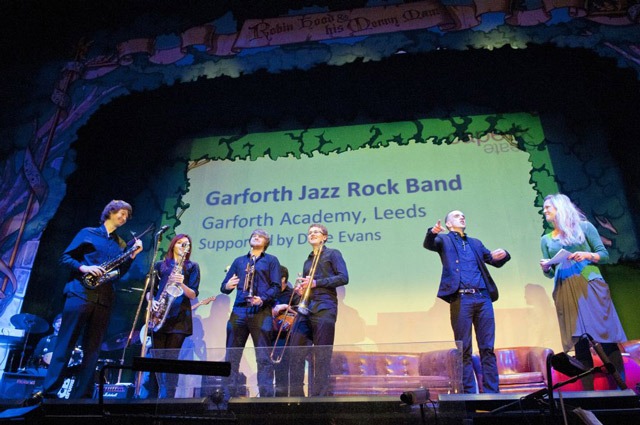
(162, 230)
(567, 365)
(611, 369)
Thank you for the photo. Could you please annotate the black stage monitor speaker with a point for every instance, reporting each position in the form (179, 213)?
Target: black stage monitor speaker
(19, 385)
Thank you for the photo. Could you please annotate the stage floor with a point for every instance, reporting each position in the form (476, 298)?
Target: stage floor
(610, 407)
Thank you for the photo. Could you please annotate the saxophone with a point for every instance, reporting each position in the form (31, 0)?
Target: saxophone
(160, 310)
(110, 267)
(90, 281)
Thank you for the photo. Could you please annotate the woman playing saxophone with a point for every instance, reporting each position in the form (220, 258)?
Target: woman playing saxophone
(176, 269)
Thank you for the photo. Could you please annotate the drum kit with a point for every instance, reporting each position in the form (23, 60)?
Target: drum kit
(119, 341)
(32, 324)
(75, 359)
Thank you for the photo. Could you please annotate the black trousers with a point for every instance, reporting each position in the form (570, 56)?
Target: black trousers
(316, 332)
(161, 384)
(85, 321)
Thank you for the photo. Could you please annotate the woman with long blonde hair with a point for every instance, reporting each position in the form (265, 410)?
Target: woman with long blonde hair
(581, 295)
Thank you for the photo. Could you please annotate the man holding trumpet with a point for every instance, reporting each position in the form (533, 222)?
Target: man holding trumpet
(324, 270)
(256, 278)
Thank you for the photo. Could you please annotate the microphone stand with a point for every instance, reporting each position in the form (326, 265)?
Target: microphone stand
(548, 391)
(148, 286)
(540, 394)
(606, 362)
(24, 348)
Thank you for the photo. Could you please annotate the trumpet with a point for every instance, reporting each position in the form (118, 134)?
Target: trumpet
(303, 307)
(249, 275)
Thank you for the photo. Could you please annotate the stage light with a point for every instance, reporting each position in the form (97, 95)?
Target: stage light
(419, 396)
(567, 365)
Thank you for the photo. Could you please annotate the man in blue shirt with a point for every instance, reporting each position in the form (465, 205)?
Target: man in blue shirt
(469, 289)
(256, 277)
(87, 311)
(318, 325)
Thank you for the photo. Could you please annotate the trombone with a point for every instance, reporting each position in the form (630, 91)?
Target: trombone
(284, 322)
(287, 320)
(303, 307)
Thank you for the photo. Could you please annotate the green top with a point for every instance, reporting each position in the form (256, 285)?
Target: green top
(592, 243)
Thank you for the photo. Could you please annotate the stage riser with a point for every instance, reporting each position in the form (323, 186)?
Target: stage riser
(588, 400)
(373, 410)
(611, 407)
(606, 417)
(453, 410)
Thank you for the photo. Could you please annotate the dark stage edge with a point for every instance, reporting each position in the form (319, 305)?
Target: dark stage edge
(613, 407)
(610, 407)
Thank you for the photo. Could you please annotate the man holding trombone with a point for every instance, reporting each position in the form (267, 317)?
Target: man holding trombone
(284, 316)
(323, 271)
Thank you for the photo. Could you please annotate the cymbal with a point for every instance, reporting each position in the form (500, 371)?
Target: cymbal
(119, 341)
(29, 322)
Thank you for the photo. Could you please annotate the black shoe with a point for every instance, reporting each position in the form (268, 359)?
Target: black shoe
(36, 398)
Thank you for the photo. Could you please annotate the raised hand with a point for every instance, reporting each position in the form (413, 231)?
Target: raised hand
(437, 228)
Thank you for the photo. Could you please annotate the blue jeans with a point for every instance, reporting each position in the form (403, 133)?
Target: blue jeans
(476, 310)
(257, 322)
